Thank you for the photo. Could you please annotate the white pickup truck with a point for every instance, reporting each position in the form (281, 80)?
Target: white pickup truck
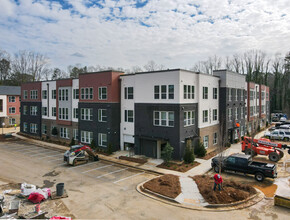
(278, 135)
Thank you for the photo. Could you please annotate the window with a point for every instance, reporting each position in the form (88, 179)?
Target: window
(33, 110)
(63, 94)
(44, 111)
(44, 129)
(129, 93)
(242, 95)
(76, 113)
(33, 128)
(258, 94)
(192, 92)
(12, 110)
(53, 111)
(215, 138)
(33, 94)
(25, 126)
(102, 115)
(251, 110)
(236, 134)
(76, 94)
(11, 99)
(12, 121)
(87, 93)
(44, 94)
(189, 118)
(236, 113)
(163, 89)
(214, 115)
(171, 91)
(205, 92)
(25, 94)
(129, 116)
(76, 134)
(205, 141)
(163, 92)
(1, 105)
(86, 137)
(242, 131)
(87, 114)
(205, 116)
(102, 93)
(252, 95)
(215, 93)
(236, 96)
(229, 114)
(230, 94)
(188, 92)
(64, 133)
(162, 118)
(53, 94)
(156, 92)
(63, 113)
(267, 95)
(25, 110)
(242, 112)
(263, 96)
(263, 109)
(102, 140)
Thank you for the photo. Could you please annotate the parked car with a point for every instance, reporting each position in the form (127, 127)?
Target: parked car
(283, 119)
(278, 135)
(284, 127)
(243, 164)
(275, 118)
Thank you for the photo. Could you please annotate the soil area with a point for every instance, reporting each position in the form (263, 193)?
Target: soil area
(231, 192)
(210, 155)
(183, 167)
(3, 138)
(53, 207)
(132, 159)
(167, 185)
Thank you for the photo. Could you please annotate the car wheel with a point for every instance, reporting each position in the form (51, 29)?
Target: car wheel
(259, 177)
(274, 157)
(250, 152)
(216, 169)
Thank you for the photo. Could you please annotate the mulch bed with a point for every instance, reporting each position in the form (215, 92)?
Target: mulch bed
(132, 159)
(210, 155)
(3, 138)
(167, 185)
(232, 191)
(178, 167)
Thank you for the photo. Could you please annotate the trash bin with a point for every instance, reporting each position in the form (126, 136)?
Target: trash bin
(59, 189)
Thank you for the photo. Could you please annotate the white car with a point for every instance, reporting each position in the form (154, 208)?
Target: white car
(283, 119)
(278, 135)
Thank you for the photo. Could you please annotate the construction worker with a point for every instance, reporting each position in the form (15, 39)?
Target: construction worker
(218, 181)
(15, 125)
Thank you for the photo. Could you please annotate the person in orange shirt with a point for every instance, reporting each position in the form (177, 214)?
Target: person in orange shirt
(218, 181)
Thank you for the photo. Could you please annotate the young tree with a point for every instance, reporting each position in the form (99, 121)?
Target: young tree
(166, 153)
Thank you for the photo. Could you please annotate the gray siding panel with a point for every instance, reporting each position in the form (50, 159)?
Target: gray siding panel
(35, 119)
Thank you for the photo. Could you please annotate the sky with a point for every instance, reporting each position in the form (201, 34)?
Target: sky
(126, 33)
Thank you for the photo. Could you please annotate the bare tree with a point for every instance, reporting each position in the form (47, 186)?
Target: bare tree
(136, 69)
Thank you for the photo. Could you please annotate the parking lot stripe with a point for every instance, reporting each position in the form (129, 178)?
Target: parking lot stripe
(111, 173)
(42, 153)
(50, 156)
(98, 168)
(39, 150)
(24, 149)
(82, 165)
(54, 160)
(129, 177)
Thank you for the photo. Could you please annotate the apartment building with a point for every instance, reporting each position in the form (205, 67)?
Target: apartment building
(232, 104)
(9, 105)
(175, 106)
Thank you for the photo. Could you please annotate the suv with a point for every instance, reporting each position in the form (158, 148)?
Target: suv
(278, 135)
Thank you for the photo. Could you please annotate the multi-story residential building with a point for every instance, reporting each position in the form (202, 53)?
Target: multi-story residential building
(231, 103)
(9, 105)
(175, 106)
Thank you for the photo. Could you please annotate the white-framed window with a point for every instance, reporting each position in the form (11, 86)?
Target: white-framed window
(262, 95)
(188, 92)
(76, 113)
(267, 95)
(230, 94)
(87, 93)
(63, 113)
(129, 116)
(44, 111)
(102, 139)
(75, 93)
(33, 110)
(236, 113)
(205, 92)
(205, 141)
(53, 111)
(53, 94)
(12, 121)
(236, 134)
(12, 110)
(171, 91)
(33, 128)
(86, 137)
(64, 133)
(229, 114)
(164, 92)
(63, 94)
(102, 115)
(205, 116)
(44, 94)
(215, 138)
(251, 110)
(236, 96)
(215, 93)
(76, 134)
(33, 94)
(1, 105)
(11, 99)
(189, 118)
(214, 115)
(242, 95)
(25, 94)
(242, 112)
(163, 118)
(252, 95)
(87, 114)
(102, 93)
(129, 92)
(25, 126)
(156, 92)
(44, 129)
(263, 109)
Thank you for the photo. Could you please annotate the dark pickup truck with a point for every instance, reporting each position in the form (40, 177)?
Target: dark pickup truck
(243, 164)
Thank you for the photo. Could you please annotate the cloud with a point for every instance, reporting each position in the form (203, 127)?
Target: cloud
(77, 55)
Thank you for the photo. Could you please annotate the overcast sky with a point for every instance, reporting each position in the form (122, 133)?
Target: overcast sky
(125, 33)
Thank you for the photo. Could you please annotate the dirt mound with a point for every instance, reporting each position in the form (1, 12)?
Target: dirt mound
(182, 167)
(167, 185)
(232, 191)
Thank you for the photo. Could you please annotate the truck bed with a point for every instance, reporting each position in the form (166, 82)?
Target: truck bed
(262, 165)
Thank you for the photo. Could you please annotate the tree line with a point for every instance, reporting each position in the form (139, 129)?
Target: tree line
(29, 66)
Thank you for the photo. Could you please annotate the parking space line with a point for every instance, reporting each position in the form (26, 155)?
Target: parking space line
(41, 153)
(39, 150)
(54, 160)
(128, 177)
(111, 173)
(82, 165)
(98, 168)
(49, 156)
(26, 149)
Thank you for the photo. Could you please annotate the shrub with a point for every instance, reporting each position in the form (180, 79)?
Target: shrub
(72, 142)
(93, 144)
(166, 153)
(267, 124)
(228, 144)
(236, 140)
(200, 150)
(110, 149)
(54, 131)
(188, 155)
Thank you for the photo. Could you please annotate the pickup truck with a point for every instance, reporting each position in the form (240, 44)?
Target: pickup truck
(243, 164)
(278, 135)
